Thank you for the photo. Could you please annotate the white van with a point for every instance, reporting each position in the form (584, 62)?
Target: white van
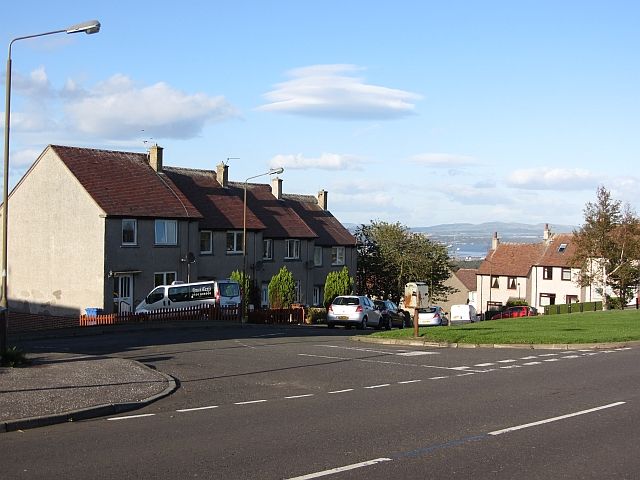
(463, 314)
(224, 293)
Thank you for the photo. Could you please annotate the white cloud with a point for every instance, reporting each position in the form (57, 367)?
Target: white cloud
(326, 161)
(119, 109)
(553, 179)
(444, 160)
(332, 91)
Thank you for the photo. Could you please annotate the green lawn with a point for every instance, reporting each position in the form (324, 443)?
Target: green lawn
(591, 327)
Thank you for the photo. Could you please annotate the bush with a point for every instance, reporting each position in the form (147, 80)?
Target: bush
(337, 283)
(316, 315)
(14, 357)
(282, 289)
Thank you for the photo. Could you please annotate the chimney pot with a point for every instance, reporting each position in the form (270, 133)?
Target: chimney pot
(222, 174)
(322, 199)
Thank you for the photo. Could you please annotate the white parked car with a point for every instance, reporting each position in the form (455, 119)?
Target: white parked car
(350, 310)
(463, 314)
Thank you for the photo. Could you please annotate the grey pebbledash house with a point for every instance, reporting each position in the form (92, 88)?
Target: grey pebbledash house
(97, 228)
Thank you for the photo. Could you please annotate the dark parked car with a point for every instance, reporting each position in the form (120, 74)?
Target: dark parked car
(392, 316)
(515, 312)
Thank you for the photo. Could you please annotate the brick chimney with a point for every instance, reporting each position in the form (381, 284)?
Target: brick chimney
(495, 241)
(276, 187)
(155, 158)
(546, 235)
(322, 199)
(222, 174)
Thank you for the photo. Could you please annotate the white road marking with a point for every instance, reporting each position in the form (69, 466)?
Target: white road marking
(511, 366)
(182, 410)
(346, 468)
(548, 355)
(323, 356)
(555, 419)
(484, 364)
(507, 361)
(378, 386)
(552, 360)
(129, 417)
(409, 381)
(342, 391)
(300, 396)
(415, 353)
(465, 374)
(530, 357)
(571, 356)
(457, 368)
(249, 402)
(532, 363)
(437, 378)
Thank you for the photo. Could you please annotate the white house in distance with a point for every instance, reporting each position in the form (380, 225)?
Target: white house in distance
(539, 273)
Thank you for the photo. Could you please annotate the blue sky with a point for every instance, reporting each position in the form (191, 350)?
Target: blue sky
(418, 112)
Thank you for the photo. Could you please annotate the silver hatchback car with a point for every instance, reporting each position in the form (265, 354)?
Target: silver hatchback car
(349, 310)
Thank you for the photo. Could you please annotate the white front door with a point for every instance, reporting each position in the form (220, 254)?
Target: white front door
(123, 294)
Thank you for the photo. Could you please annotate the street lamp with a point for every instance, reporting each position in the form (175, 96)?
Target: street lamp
(92, 26)
(273, 171)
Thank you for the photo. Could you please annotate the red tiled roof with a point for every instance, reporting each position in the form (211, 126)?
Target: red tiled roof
(516, 259)
(511, 259)
(221, 208)
(124, 184)
(468, 278)
(329, 230)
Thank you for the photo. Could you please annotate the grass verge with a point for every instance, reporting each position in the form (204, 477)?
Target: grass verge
(590, 327)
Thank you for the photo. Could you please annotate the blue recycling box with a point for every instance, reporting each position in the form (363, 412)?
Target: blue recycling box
(93, 311)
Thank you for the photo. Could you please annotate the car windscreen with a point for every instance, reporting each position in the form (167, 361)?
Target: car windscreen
(346, 301)
(229, 289)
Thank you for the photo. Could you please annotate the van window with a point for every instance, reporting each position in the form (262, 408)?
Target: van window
(155, 296)
(229, 289)
(201, 292)
(179, 294)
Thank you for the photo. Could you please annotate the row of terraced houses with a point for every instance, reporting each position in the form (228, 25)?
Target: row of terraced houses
(96, 228)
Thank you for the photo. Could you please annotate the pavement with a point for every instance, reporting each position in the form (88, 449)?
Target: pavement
(60, 387)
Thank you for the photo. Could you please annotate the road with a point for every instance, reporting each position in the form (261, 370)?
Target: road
(284, 403)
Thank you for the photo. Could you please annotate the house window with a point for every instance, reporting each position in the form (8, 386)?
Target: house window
(166, 232)
(566, 274)
(562, 248)
(206, 242)
(317, 256)
(317, 296)
(547, 273)
(547, 299)
(163, 278)
(572, 299)
(129, 231)
(293, 249)
(512, 283)
(264, 295)
(337, 256)
(234, 242)
(267, 249)
(494, 282)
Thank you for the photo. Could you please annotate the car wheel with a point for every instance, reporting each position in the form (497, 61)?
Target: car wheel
(363, 324)
(387, 325)
(402, 323)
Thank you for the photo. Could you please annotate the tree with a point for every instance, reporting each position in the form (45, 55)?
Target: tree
(337, 283)
(282, 289)
(245, 287)
(607, 247)
(390, 255)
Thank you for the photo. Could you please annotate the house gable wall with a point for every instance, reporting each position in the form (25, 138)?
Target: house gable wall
(56, 242)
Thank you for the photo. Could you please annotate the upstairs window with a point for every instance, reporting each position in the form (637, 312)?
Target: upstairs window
(317, 256)
(512, 283)
(129, 231)
(293, 249)
(566, 274)
(206, 242)
(547, 273)
(562, 248)
(235, 243)
(166, 232)
(337, 255)
(267, 249)
(494, 282)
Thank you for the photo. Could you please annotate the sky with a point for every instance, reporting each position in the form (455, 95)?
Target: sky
(419, 112)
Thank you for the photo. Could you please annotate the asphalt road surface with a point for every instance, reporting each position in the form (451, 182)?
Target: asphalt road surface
(304, 403)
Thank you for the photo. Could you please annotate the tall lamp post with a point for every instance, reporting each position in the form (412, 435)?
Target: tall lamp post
(89, 27)
(273, 171)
